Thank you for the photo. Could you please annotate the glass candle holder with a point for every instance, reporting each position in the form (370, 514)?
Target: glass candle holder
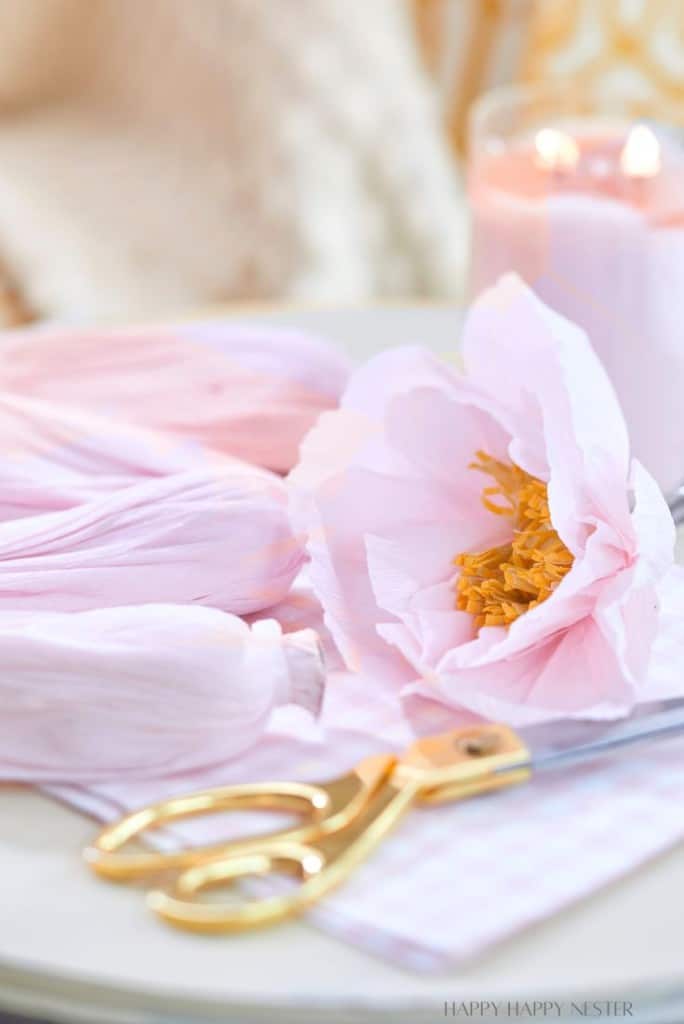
(585, 201)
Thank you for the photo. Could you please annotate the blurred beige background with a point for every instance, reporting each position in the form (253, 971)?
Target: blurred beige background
(160, 157)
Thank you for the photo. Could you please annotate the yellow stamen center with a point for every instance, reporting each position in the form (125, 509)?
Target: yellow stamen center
(499, 585)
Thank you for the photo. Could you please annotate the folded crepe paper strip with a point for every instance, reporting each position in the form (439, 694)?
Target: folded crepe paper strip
(143, 692)
(252, 392)
(481, 539)
(54, 457)
(220, 539)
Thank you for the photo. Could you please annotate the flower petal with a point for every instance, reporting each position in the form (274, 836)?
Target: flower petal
(557, 401)
(573, 674)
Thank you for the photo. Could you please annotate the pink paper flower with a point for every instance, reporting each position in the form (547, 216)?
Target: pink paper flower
(252, 392)
(480, 538)
(142, 692)
(220, 538)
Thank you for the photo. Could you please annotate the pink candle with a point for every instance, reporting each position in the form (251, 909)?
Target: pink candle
(591, 214)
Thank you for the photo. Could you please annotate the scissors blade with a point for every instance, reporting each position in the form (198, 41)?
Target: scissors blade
(569, 742)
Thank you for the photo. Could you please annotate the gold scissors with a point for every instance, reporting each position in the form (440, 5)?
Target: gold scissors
(344, 820)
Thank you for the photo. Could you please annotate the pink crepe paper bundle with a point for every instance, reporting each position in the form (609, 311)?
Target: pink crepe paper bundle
(144, 692)
(55, 457)
(419, 494)
(214, 538)
(102, 518)
(249, 392)
(97, 514)
(109, 514)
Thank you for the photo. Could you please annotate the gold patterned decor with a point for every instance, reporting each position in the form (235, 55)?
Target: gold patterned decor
(631, 49)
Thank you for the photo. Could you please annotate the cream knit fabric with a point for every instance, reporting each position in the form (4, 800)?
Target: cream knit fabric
(156, 156)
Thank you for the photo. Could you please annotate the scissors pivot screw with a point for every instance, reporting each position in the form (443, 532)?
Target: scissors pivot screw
(479, 746)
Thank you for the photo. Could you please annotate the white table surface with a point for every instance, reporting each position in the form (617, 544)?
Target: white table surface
(76, 949)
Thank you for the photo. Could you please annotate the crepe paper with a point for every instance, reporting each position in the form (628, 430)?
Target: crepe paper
(252, 392)
(411, 501)
(55, 457)
(301, 609)
(142, 692)
(211, 538)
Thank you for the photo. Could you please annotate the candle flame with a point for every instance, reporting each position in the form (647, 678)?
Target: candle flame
(640, 157)
(556, 150)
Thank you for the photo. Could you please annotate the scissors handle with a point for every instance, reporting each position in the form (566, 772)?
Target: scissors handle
(321, 866)
(452, 766)
(323, 808)
(104, 856)
(344, 821)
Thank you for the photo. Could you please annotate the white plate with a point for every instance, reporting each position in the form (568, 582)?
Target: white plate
(73, 948)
